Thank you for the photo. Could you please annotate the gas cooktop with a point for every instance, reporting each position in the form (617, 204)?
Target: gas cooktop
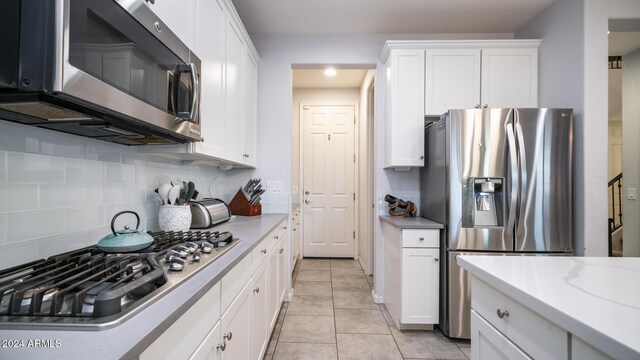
(89, 286)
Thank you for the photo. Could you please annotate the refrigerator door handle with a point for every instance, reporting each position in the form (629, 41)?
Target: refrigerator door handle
(511, 143)
(521, 226)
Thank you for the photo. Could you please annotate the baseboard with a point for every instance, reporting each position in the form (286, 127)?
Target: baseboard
(376, 299)
(289, 296)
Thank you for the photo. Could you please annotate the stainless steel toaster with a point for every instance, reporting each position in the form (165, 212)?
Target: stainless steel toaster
(208, 212)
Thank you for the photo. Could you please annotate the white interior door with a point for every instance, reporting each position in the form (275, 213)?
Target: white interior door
(328, 180)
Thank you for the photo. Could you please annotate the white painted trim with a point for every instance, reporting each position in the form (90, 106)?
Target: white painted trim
(288, 296)
(454, 44)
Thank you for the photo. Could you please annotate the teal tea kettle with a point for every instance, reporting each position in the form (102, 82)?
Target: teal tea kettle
(126, 240)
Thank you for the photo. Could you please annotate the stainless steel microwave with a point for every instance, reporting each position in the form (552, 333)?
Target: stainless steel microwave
(105, 69)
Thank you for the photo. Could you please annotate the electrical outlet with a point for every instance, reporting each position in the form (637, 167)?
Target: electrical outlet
(274, 186)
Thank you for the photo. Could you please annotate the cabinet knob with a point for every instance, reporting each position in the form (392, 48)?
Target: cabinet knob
(306, 193)
(280, 251)
(502, 313)
(157, 26)
(306, 201)
(276, 237)
(264, 251)
(228, 336)
(485, 106)
(222, 346)
(256, 290)
(294, 229)
(284, 227)
(477, 106)
(436, 259)
(421, 157)
(421, 238)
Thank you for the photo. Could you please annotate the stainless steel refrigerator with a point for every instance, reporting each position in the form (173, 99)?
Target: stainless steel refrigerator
(501, 181)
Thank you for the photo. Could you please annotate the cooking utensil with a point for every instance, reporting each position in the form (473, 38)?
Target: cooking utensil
(163, 190)
(173, 194)
(125, 240)
(191, 190)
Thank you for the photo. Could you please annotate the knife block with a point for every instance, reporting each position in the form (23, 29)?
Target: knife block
(239, 205)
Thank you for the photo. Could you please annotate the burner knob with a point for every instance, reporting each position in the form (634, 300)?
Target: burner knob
(206, 248)
(176, 264)
(196, 256)
(183, 250)
(192, 246)
(171, 254)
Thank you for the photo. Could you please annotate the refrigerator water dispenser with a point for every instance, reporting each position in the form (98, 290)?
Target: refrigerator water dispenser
(487, 195)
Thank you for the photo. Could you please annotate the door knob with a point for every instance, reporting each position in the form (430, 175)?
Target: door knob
(306, 193)
(306, 201)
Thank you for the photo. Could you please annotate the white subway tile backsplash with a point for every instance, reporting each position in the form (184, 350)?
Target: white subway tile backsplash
(112, 193)
(95, 194)
(16, 254)
(105, 151)
(18, 197)
(54, 196)
(34, 168)
(84, 171)
(18, 137)
(3, 229)
(34, 224)
(119, 173)
(3, 171)
(61, 243)
(84, 218)
(61, 144)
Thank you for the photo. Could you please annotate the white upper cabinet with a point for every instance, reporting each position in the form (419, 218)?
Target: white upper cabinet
(404, 108)
(427, 78)
(234, 94)
(510, 77)
(228, 82)
(209, 45)
(452, 80)
(178, 15)
(250, 110)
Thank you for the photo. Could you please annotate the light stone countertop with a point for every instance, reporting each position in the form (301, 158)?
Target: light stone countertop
(129, 338)
(410, 223)
(595, 299)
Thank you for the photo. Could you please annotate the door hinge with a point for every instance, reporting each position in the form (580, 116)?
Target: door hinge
(305, 108)
(354, 234)
(354, 196)
(354, 119)
(329, 135)
(354, 158)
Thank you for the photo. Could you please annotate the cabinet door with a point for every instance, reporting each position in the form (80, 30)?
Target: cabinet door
(233, 96)
(510, 77)
(259, 309)
(420, 286)
(178, 16)
(210, 348)
(209, 46)
(452, 80)
(273, 301)
(487, 343)
(235, 326)
(405, 122)
(250, 112)
(281, 273)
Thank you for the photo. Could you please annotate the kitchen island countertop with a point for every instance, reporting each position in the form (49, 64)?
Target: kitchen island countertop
(595, 299)
(410, 223)
(128, 338)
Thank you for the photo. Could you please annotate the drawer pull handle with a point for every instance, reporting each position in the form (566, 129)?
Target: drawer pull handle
(502, 313)
(421, 238)
(264, 251)
(256, 290)
(221, 346)
(228, 336)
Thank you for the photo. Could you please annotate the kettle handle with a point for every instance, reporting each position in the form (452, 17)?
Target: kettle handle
(113, 221)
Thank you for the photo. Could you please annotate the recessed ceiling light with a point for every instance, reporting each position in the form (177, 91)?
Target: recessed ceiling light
(330, 72)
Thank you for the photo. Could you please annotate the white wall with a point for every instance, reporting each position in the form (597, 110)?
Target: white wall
(365, 126)
(278, 53)
(630, 151)
(59, 192)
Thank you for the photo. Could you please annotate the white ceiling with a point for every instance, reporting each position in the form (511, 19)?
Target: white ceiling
(622, 43)
(386, 16)
(315, 78)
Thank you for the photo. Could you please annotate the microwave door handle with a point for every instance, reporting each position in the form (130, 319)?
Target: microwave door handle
(195, 94)
(179, 70)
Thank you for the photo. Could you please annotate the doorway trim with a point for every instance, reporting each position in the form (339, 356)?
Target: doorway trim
(356, 106)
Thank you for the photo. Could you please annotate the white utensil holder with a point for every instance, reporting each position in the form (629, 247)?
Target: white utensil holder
(174, 217)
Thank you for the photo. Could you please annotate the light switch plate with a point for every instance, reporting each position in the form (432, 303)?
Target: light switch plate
(631, 193)
(274, 186)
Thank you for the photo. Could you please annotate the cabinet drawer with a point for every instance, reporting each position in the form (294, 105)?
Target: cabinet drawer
(259, 253)
(535, 335)
(420, 238)
(190, 328)
(234, 281)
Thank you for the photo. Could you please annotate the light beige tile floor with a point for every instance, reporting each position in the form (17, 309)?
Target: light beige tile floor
(332, 316)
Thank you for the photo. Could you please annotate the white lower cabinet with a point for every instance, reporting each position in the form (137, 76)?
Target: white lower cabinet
(260, 328)
(487, 343)
(235, 326)
(249, 297)
(412, 271)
